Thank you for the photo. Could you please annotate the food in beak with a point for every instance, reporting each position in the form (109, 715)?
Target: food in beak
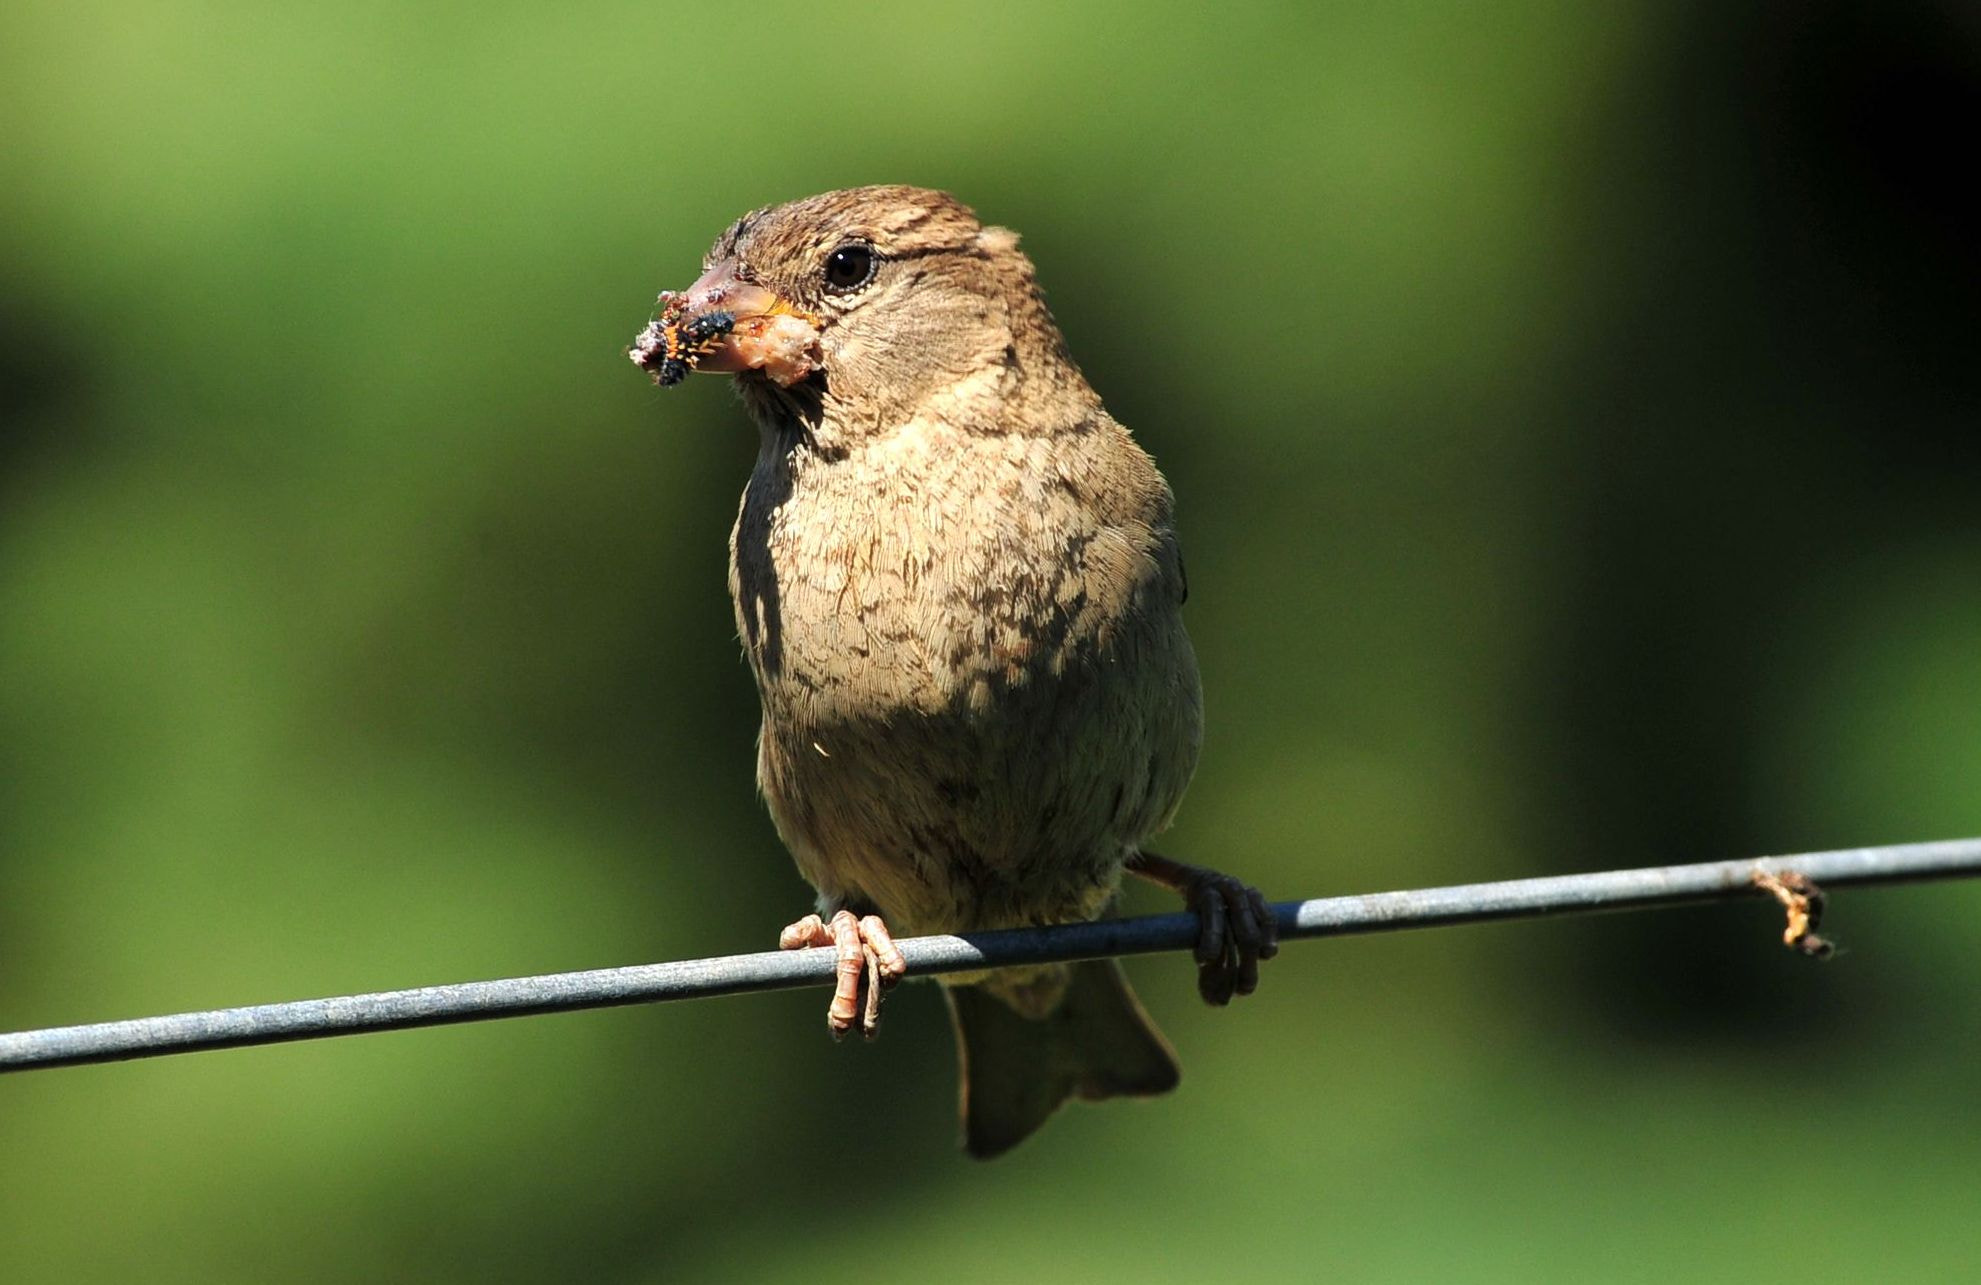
(782, 345)
(669, 348)
(724, 327)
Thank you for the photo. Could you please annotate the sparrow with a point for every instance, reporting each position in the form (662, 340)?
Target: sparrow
(957, 583)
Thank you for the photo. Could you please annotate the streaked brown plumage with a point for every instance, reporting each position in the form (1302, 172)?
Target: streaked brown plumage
(958, 584)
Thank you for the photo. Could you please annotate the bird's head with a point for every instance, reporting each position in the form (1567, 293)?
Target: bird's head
(862, 305)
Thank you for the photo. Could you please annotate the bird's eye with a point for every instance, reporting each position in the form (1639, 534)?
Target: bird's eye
(849, 267)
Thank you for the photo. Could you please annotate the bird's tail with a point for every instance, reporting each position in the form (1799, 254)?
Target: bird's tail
(1095, 1043)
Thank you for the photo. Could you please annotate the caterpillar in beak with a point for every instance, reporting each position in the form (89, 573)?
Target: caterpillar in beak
(670, 348)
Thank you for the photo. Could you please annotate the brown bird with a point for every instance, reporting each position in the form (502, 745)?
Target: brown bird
(957, 581)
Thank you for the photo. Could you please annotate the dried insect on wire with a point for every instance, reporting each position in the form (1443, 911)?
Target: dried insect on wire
(1803, 901)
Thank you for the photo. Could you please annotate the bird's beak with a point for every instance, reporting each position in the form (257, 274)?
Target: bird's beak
(725, 325)
(719, 290)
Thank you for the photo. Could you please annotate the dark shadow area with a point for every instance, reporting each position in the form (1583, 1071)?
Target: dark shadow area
(1787, 382)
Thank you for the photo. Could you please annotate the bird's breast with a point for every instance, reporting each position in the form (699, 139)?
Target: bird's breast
(916, 575)
(976, 687)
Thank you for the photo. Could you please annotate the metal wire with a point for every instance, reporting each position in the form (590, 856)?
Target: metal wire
(774, 970)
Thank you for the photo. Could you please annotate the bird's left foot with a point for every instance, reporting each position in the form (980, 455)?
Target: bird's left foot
(867, 954)
(1239, 927)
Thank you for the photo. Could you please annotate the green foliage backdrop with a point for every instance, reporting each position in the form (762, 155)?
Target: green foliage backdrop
(1572, 413)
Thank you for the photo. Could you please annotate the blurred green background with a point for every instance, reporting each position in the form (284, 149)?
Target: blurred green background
(1572, 414)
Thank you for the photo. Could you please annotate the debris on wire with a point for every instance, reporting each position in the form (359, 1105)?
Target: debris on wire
(1803, 901)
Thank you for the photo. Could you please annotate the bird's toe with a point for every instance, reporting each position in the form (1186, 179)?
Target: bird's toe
(868, 966)
(1238, 930)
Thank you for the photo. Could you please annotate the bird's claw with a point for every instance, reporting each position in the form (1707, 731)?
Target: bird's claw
(867, 954)
(1238, 929)
(1237, 926)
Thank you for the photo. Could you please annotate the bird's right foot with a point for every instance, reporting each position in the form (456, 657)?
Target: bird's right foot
(869, 966)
